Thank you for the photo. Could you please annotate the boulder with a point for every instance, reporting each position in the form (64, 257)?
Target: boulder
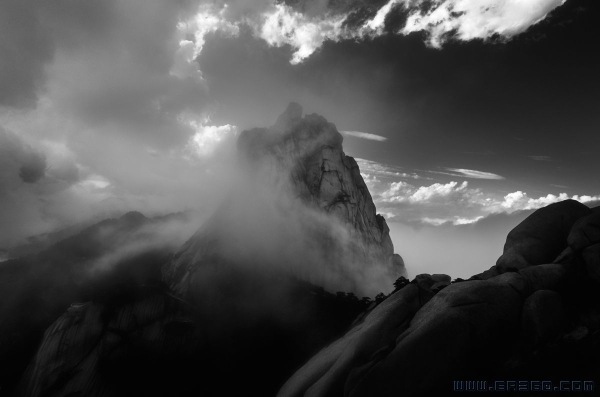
(441, 278)
(543, 318)
(541, 237)
(464, 323)
(565, 257)
(440, 285)
(585, 232)
(591, 258)
(491, 272)
(577, 334)
(326, 373)
(465, 328)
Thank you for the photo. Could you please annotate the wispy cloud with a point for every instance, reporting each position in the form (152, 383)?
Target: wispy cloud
(475, 174)
(364, 135)
(540, 158)
(486, 153)
(375, 169)
(465, 173)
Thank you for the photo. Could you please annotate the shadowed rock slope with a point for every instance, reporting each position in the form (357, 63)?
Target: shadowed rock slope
(537, 322)
(533, 316)
(36, 289)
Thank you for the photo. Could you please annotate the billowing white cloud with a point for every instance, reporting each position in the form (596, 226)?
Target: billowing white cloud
(375, 25)
(520, 201)
(364, 135)
(455, 203)
(192, 36)
(280, 24)
(207, 137)
(402, 192)
(475, 19)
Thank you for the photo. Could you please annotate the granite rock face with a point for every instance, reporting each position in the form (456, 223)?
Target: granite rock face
(114, 347)
(301, 206)
(535, 314)
(542, 236)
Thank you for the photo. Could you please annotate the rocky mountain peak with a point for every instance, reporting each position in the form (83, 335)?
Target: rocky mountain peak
(301, 201)
(291, 115)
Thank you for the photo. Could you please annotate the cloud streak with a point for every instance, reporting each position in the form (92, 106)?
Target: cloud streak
(540, 158)
(475, 174)
(364, 135)
(465, 173)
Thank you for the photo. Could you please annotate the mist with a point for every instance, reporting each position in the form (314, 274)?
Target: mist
(271, 221)
(460, 251)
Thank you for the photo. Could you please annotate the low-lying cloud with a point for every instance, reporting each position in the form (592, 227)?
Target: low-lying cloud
(103, 109)
(455, 203)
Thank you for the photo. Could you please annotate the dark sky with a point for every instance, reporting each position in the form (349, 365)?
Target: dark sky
(456, 110)
(470, 105)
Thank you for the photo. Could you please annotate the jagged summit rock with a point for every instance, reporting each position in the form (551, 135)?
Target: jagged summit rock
(300, 205)
(292, 114)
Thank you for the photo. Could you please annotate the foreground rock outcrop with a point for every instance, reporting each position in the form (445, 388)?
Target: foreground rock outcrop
(541, 322)
(493, 327)
(300, 207)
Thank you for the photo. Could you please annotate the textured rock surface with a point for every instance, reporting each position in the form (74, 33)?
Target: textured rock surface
(541, 236)
(326, 373)
(93, 347)
(543, 317)
(145, 341)
(302, 207)
(585, 232)
(493, 326)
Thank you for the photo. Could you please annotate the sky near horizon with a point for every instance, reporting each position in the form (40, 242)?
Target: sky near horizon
(459, 112)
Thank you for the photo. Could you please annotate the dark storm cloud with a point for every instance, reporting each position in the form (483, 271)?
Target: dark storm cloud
(122, 75)
(109, 101)
(24, 50)
(25, 181)
(102, 61)
(31, 31)
(19, 162)
(33, 168)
